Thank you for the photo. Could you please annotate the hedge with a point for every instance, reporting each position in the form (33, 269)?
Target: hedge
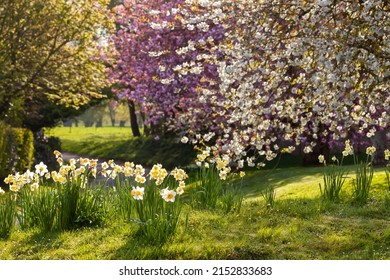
(16, 149)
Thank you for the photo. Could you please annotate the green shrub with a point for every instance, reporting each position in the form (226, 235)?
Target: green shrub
(16, 149)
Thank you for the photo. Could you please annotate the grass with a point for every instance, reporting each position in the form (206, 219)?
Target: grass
(300, 226)
(117, 143)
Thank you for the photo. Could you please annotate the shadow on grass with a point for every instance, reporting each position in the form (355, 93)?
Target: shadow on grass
(254, 183)
(137, 248)
(143, 150)
(37, 244)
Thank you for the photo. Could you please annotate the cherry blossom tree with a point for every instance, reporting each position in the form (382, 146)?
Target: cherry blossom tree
(301, 73)
(266, 77)
(162, 61)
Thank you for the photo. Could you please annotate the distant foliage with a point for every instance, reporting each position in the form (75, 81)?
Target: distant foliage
(16, 149)
(43, 150)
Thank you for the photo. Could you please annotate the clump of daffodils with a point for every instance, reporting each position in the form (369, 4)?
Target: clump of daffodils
(221, 162)
(370, 150)
(31, 179)
(387, 154)
(348, 149)
(158, 173)
(79, 170)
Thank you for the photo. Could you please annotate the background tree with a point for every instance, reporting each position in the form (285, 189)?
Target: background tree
(143, 68)
(48, 52)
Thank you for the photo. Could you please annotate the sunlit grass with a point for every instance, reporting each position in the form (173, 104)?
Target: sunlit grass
(118, 143)
(300, 226)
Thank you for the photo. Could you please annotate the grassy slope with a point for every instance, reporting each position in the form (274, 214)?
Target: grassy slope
(299, 227)
(117, 143)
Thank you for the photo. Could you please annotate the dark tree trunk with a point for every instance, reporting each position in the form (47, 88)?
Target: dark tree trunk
(133, 119)
(146, 127)
(112, 117)
(379, 142)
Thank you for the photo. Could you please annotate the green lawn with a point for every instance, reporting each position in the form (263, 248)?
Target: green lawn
(300, 226)
(118, 143)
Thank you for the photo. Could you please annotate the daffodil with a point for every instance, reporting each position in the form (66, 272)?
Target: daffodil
(182, 184)
(179, 174)
(128, 171)
(57, 154)
(140, 179)
(168, 195)
(60, 161)
(139, 170)
(9, 179)
(34, 187)
(94, 172)
(137, 193)
(41, 169)
(118, 168)
(155, 171)
(84, 161)
(180, 190)
(28, 177)
(129, 164)
(105, 165)
(370, 150)
(2, 191)
(93, 163)
(14, 187)
(348, 149)
(321, 158)
(113, 174)
(104, 172)
(387, 154)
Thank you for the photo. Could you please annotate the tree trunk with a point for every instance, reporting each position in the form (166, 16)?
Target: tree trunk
(112, 117)
(146, 127)
(133, 119)
(379, 142)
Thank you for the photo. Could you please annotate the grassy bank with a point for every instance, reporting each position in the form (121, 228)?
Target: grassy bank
(299, 226)
(118, 143)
